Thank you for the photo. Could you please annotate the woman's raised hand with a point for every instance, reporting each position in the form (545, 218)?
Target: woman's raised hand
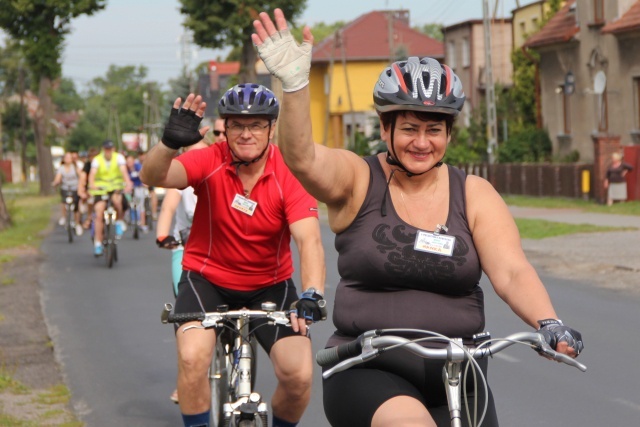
(279, 51)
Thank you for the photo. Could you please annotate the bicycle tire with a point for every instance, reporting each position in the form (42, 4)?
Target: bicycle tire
(136, 233)
(249, 423)
(148, 215)
(219, 384)
(109, 246)
(70, 230)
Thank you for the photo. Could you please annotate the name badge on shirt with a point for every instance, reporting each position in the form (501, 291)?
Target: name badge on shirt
(244, 205)
(434, 243)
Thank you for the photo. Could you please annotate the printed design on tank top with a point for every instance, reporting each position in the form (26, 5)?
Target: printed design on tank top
(404, 260)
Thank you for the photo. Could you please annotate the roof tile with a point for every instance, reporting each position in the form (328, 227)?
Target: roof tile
(560, 29)
(367, 38)
(630, 21)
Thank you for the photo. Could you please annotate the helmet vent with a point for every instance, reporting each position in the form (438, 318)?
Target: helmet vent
(408, 81)
(252, 97)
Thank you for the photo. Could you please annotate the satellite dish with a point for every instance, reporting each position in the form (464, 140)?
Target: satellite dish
(599, 82)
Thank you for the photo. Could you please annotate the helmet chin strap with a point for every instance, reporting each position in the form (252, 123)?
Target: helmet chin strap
(393, 160)
(240, 162)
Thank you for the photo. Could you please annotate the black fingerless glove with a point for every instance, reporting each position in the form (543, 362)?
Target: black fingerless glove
(555, 332)
(167, 242)
(181, 129)
(311, 306)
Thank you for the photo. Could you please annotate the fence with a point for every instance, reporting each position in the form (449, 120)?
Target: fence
(543, 180)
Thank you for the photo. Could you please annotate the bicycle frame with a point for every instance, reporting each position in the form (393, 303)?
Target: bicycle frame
(233, 366)
(372, 343)
(109, 239)
(70, 214)
(245, 403)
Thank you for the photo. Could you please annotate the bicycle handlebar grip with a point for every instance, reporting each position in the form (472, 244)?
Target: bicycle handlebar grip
(333, 355)
(185, 317)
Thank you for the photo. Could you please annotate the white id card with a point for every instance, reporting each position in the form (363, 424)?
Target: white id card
(244, 205)
(439, 244)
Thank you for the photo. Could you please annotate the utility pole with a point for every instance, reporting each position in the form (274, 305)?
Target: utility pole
(490, 94)
(185, 54)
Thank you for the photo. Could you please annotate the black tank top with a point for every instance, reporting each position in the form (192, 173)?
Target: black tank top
(386, 283)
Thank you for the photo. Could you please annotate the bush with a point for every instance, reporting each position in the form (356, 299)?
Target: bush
(528, 144)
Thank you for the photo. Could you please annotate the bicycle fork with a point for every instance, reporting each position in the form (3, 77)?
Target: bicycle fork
(451, 374)
(249, 403)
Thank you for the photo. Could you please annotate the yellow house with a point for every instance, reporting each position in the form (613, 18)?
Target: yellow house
(527, 20)
(345, 67)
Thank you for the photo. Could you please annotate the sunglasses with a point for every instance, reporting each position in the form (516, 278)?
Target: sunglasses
(218, 132)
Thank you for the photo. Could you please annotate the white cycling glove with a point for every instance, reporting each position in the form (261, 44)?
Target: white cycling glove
(287, 60)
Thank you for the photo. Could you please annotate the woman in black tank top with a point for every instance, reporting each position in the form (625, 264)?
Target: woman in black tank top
(385, 211)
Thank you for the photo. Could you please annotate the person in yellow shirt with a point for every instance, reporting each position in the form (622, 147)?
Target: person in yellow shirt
(108, 175)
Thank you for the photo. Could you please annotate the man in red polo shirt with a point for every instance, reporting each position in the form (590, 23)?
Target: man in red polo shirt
(238, 253)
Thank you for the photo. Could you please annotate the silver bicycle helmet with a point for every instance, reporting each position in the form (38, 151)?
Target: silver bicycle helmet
(419, 85)
(249, 99)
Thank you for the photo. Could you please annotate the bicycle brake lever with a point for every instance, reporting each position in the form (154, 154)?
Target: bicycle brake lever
(544, 349)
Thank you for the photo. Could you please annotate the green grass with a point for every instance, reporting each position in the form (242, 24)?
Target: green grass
(7, 281)
(8, 383)
(30, 214)
(56, 394)
(626, 208)
(541, 229)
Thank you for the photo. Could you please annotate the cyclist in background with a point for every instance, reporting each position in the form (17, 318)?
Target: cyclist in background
(413, 235)
(67, 178)
(153, 196)
(83, 186)
(108, 176)
(139, 191)
(249, 206)
(218, 130)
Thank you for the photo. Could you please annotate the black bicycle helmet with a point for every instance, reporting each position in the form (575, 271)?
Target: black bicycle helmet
(249, 99)
(419, 85)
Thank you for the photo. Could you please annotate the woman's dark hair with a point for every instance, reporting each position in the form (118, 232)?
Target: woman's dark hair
(391, 116)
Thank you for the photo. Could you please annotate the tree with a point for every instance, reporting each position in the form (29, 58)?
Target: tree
(66, 97)
(115, 103)
(220, 23)
(320, 31)
(41, 26)
(432, 30)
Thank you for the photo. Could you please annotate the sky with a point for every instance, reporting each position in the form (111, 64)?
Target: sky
(148, 32)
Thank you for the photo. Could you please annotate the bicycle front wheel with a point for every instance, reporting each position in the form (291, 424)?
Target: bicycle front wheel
(110, 244)
(148, 218)
(70, 230)
(219, 383)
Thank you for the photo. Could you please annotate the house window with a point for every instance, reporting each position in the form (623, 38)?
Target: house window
(466, 52)
(598, 11)
(451, 54)
(535, 23)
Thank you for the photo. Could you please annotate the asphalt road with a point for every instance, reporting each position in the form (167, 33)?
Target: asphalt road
(119, 360)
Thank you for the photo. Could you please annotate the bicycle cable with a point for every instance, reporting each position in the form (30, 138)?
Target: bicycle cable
(434, 336)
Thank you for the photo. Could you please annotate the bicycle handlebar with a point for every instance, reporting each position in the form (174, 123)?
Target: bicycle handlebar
(372, 343)
(215, 318)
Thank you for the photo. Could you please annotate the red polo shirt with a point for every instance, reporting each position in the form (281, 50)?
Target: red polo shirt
(231, 248)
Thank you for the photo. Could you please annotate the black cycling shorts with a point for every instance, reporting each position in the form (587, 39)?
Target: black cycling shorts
(351, 397)
(197, 294)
